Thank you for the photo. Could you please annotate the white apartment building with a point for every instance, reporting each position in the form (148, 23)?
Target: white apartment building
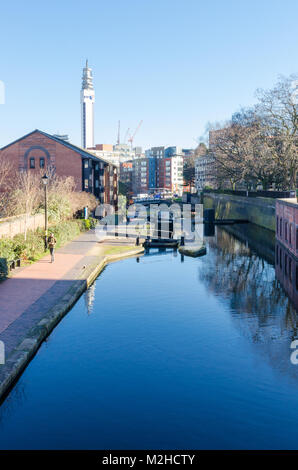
(116, 154)
(205, 172)
(177, 174)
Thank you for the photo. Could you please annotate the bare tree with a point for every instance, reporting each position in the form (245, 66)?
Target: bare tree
(278, 108)
(5, 183)
(26, 196)
(228, 146)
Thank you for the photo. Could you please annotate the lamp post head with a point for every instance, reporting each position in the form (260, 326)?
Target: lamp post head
(45, 179)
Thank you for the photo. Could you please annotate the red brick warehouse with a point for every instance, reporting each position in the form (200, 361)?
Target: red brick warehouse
(38, 151)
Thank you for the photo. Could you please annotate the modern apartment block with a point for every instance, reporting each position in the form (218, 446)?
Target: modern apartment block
(39, 152)
(140, 176)
(125, 174)
(116, 154)
(161, 169)
(170, 174)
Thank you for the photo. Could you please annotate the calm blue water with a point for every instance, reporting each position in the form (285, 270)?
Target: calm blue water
(165, 354)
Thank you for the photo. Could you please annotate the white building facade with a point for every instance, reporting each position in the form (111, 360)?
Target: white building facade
(177, 174)
(87, 108)
(205, 173)
(117, 154)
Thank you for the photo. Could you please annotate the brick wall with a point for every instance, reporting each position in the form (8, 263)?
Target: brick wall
(12, 226)
(66, 161)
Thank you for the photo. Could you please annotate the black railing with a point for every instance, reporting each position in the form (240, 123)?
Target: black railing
(243, 193)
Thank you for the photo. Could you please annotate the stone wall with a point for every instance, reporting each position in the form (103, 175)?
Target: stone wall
(11, 226)
(260, 211)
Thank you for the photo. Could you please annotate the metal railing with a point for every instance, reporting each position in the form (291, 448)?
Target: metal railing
(244, 193)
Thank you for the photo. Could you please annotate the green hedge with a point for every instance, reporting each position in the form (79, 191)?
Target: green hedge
(32, 248)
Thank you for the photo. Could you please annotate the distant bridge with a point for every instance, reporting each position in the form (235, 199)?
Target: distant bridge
(147, 202)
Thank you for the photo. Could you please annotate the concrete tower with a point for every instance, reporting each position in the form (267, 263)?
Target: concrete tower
(87, 108)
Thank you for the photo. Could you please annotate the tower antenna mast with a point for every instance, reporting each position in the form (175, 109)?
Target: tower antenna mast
(118, 136)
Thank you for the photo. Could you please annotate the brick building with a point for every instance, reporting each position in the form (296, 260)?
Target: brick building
(42, 152)
(286, 270)
(286, 249)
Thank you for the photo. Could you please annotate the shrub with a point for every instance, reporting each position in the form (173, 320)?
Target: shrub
(32, 248)
(87, 224)
(7, 249)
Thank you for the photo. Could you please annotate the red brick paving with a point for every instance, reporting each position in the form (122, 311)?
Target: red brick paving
(30, 283)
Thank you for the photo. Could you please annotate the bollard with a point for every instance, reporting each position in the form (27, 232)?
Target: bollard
(138, 241)
(182, 241)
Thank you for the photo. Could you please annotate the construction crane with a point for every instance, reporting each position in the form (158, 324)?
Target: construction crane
(131, 138)
(126, 135)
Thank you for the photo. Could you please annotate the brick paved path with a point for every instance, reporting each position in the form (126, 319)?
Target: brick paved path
(33, 290)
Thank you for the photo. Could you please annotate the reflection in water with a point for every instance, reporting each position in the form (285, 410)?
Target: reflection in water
(286, 270)
(247, 283)
(176, 355)
(89, 298)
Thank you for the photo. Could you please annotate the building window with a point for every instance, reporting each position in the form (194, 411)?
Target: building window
(280, 227)
(296, 238)
(32, 162)
(286, 265)
(286, 231)
(290, 269)
(290, 234)
(41, 162)
(277, 223)
(86, 183)
(86, 164)
(276, 254)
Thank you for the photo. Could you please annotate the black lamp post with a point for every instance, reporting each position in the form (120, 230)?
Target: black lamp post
(45, 180)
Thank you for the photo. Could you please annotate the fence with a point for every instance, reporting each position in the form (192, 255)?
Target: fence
(271, 194)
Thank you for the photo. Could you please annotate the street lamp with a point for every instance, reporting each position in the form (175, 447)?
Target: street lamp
(45, 180)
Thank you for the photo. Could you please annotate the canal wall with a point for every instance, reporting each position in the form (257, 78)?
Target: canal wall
(29, 345)
(258, 210)
(259, 239)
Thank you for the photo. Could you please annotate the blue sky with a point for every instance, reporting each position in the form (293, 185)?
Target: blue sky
(174, 64)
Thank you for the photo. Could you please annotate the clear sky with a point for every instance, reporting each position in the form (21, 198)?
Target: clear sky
(174, 64)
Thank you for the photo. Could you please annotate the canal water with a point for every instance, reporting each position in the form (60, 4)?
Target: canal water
(166, 352)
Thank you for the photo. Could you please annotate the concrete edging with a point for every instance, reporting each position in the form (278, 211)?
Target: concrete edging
(25, 351)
